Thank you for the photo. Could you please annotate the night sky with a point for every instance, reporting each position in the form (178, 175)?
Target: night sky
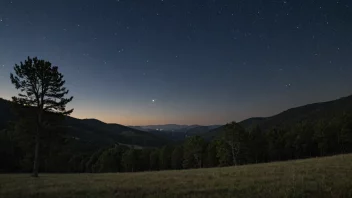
(183, 61)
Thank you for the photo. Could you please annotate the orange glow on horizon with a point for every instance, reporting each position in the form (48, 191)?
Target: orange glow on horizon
(133, 120)
(92, 111)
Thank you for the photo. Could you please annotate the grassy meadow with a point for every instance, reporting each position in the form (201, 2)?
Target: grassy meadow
(319, 177)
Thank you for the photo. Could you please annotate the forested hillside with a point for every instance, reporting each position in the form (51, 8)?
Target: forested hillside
(93, 146)
(312, 113)
(92, 131)
(62, 139)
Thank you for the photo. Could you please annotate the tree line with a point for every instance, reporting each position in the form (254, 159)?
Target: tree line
(235, 145)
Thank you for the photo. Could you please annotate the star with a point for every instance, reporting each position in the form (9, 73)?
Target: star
(184, 42)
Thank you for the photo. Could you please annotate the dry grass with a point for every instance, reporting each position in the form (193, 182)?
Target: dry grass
(320, 177)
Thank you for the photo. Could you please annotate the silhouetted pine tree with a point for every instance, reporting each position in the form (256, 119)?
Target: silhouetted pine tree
(41, 86)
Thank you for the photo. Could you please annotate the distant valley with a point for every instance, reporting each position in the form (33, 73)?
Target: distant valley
(172, 127)
(176, 132)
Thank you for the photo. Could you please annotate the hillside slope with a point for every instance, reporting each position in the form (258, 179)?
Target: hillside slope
(308, 113)
(93, 132)
(317, 178)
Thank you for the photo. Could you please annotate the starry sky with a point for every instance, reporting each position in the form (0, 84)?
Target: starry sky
(139, 62)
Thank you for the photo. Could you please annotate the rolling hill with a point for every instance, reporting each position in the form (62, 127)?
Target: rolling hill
(5, 113)
(311, 113)
(93, 133)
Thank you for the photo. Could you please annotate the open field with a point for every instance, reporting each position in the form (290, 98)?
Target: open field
(320, 177)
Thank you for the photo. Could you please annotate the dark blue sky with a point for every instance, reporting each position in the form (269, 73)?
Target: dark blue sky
(184, 61)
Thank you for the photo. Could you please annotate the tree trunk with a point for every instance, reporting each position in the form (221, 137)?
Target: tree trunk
(233, 155)
(37, 145)
(36, 155)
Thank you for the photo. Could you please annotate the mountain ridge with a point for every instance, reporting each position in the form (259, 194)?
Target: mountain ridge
(164, 133)
(308, 113)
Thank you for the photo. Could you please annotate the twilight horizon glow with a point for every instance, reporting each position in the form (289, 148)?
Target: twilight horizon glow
(180, 61)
